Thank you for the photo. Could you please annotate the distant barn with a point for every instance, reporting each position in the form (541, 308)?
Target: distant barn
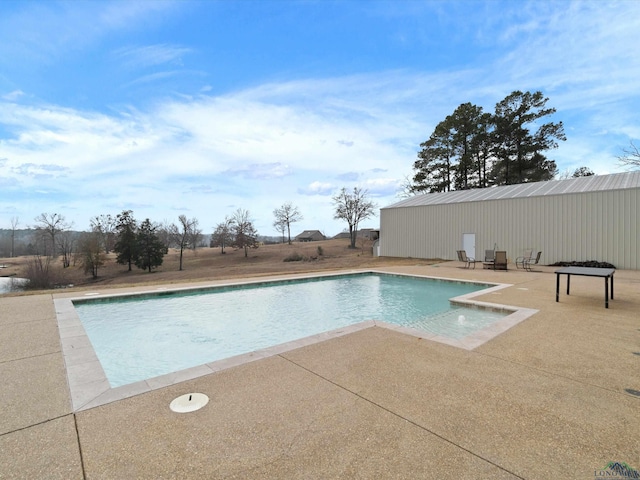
(310, 236)
(579, 219)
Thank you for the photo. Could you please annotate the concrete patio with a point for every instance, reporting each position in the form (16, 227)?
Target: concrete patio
(556, 396)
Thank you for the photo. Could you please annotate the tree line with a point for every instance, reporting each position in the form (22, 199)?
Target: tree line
(475, 149)
(145, 243)
(472, 148)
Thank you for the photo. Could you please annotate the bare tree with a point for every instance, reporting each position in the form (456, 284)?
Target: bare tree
(183, 234)
(50, 224)
(105, 227)
(40, 242)
(66, 245)
(583, 172)
(223, 234)
(91, 251)
(164, 231)
(406, 188)
(281, 227)
(631, 157)
(285, 216)
(245, 234)
(578, 172)
(195, 235)
(39, 273)
(14, 225)
(353, 208)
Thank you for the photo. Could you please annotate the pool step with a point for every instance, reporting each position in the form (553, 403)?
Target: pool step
(447, 316)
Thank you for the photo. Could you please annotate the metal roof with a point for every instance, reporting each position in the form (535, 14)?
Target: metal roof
(594, 183)
(309, 233)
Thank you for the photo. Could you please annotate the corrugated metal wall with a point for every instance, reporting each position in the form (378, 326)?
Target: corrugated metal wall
(600, 226)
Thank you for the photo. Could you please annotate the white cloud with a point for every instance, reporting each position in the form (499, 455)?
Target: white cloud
(261, 171)
(382, 187)
(227, 147)
(39, 171)
(13, 96)
(304, 139)
(150, 55)
(33, 29)
(317, 188)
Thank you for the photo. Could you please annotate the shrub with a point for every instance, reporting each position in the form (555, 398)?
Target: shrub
(588, 263)
(320, 251)
(294, 257)
(39, 274)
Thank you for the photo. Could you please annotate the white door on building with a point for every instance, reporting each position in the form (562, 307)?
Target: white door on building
(469, 244)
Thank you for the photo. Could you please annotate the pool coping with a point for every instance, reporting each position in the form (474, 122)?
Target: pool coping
(89, 387)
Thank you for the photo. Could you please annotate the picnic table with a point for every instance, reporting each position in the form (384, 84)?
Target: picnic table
(606, 273)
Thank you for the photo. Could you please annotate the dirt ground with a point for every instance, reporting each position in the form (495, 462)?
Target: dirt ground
(210, 263)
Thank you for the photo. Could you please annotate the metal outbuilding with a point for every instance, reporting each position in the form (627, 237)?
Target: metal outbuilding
(579, 219)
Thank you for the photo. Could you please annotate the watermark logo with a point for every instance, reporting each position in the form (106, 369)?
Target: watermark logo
(617, 470)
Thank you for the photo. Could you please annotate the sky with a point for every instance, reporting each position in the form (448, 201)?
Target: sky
(200, 108)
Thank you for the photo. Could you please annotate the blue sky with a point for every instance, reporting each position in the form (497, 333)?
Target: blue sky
(201, 108)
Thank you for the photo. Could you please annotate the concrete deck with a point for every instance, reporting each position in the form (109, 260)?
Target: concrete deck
(556, 396)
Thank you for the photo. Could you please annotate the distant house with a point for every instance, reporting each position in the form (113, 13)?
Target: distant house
(368, 233)
(342, 235)
(310, 236)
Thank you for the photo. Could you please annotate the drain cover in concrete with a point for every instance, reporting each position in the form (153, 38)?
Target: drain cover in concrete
(189, 402)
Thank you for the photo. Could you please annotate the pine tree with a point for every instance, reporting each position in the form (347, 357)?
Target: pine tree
(125, 246)
(150, 250)
(518, 151)
(473, 149)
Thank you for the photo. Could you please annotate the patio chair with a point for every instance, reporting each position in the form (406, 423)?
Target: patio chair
(462, 256)
(489, 258)
(532, 261)
(520, 261)
(500, 262)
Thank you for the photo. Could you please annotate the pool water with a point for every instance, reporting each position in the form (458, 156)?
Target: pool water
(11, 284)
(140, 337)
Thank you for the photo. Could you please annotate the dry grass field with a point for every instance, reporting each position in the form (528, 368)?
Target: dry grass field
(209, 264)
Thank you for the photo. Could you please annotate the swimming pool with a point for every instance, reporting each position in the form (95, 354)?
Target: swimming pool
(140, 337)
(88, 383)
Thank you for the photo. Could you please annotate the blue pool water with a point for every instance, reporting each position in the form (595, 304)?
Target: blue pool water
(137, 337)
